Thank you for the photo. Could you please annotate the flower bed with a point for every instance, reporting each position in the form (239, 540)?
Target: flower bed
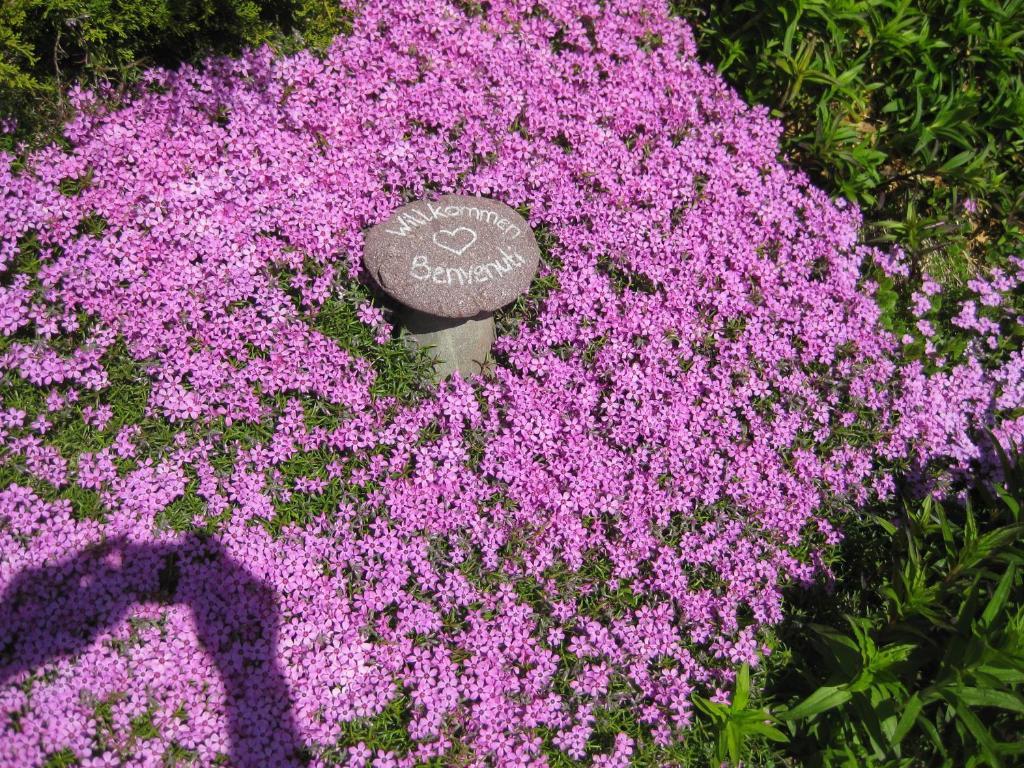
(546, 563)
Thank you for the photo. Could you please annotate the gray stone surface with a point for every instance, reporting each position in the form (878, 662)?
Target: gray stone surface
(456, 257)
(455, 345)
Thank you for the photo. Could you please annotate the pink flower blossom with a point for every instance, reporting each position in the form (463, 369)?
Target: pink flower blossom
(667, 428)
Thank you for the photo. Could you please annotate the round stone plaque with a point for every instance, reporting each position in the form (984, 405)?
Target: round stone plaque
(457, 257)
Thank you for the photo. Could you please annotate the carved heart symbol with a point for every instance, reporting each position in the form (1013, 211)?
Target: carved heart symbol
(454, 240)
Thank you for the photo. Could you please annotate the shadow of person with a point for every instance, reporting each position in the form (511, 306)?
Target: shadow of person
(55, 611)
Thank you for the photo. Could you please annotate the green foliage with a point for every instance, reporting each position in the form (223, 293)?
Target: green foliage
(930, 670)
(127, 395)
(911, 108)
(45, 45)
(949, 343)
(317, 22)
(63, 759)
(735, 723)
(401, 371)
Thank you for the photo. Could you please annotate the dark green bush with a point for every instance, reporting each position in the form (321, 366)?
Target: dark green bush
(917, 656)
(912, 108)
(45, 45)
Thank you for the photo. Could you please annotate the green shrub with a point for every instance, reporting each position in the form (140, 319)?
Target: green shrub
(912, 108)
(45, 45)
(917, 658)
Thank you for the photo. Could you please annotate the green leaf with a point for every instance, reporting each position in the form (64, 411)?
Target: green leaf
(956, 161)
(712, 709)
(932, 732)
(1012, 749)
(869, 723)
(767, 731)
(1010, 502)
(734, 742)
(822, 700)
(997, 539)
(742, 695)
(1005, 674)
(970, 532)
(910, 712)
(886, 525)
(988, 697)
(892, 654)
(981, 735)
(999, 597)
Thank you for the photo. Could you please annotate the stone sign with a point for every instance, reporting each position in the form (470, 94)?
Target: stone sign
(457, 257)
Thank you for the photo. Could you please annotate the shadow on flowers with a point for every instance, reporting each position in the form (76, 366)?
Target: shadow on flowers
(57, 611)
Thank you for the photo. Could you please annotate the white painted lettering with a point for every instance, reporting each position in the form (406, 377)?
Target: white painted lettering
(420, 263)
(404, 230)
(422, 269)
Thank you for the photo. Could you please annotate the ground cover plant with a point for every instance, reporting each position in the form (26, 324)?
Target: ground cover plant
(238, 527)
